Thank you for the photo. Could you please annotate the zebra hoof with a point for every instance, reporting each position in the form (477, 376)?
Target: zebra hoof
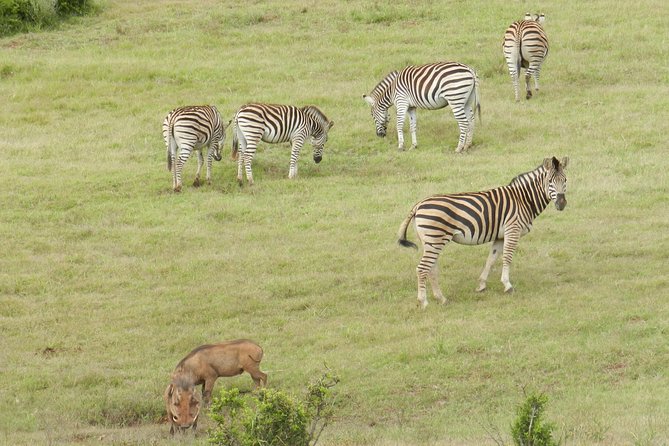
(529, 95)
(509, 290)
(481, 288)
(196, 183)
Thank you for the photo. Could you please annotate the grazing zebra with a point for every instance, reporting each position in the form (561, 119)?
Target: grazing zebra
(275, 124)
(432, 86)
(191, 128)
(501, 215)
(525, 45)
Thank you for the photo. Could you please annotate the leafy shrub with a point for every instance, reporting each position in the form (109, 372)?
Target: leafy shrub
(529, 429)
(15, 15)
(72, 7)
(30, 15)
(271, 417)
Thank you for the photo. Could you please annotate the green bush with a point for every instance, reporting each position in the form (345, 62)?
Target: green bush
(529, 429)
(30, 15)
(72, 7)
(271, 417)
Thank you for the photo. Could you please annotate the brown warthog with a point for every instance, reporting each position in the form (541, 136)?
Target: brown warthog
(207, 362)
(182, 403)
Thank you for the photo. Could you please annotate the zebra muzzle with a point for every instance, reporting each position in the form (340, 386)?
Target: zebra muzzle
(318, 159)
(560, 202)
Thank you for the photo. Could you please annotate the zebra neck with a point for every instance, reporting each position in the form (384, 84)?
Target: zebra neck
(531, 191)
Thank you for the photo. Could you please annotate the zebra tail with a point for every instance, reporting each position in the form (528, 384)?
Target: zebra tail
(235, 144)
(477, 98)
(402, 234)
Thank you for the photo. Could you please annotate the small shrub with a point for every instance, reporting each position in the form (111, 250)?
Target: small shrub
(271, 417)
(529, 429)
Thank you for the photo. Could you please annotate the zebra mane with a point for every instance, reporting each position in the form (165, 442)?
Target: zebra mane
(314, 113)
(385, 83)
(527, 177)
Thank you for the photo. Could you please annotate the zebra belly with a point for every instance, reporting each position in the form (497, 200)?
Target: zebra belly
(474, 239)
(430, 104)
(273, 139)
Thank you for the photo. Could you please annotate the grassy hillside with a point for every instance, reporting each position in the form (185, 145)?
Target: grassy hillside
(108, 278)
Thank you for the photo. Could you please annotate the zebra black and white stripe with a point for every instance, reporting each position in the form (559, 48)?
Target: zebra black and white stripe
(191, 128)
(431, 86)
(275, 124)
(501, 216)
(525, 45)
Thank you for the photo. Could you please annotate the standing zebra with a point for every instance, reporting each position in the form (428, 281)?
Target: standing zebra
(525, 45)
(501, 215)
(191, 128)
(276, 124)
(432, 86)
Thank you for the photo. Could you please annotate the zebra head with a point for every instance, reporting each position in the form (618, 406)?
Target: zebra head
(381, 99)
(380, 116)
(218, 137)
(556, 181)
(320, 127)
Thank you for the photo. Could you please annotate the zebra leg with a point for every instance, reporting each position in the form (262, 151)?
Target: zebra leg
(401, 113)
(174, 171)
(210, 161)
(514, 80)
(463, 124)
(427, 268)
(434, 283)
(413, 126)
(200, 161)
(495, 249)
(510, 242)
(295, 155)
(184, 154)
(528, 73)
(248, 158)
(240, 168)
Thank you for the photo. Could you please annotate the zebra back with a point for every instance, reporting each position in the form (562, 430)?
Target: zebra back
(425, 85)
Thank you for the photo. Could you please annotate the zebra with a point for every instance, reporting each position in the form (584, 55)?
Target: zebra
(275, 124)
(191, 128)
(431, 86)
(501, 216)
(525, 45)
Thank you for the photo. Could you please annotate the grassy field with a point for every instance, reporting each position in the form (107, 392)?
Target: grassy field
(108, 279)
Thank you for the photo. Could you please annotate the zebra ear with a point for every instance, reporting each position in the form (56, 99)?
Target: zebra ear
(548, 163)
(368, 99)
(541, 19)
(228, 124)
(330, 125)
(564, 162)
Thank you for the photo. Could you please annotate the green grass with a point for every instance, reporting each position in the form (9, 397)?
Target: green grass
(108, 279)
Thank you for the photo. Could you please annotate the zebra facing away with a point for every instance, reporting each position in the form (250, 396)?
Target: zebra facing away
(432, 86)
(275, 124)
(501, 216)
(525, 45)
(191, 128)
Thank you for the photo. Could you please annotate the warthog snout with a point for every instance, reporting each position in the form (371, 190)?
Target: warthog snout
(182, 404)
